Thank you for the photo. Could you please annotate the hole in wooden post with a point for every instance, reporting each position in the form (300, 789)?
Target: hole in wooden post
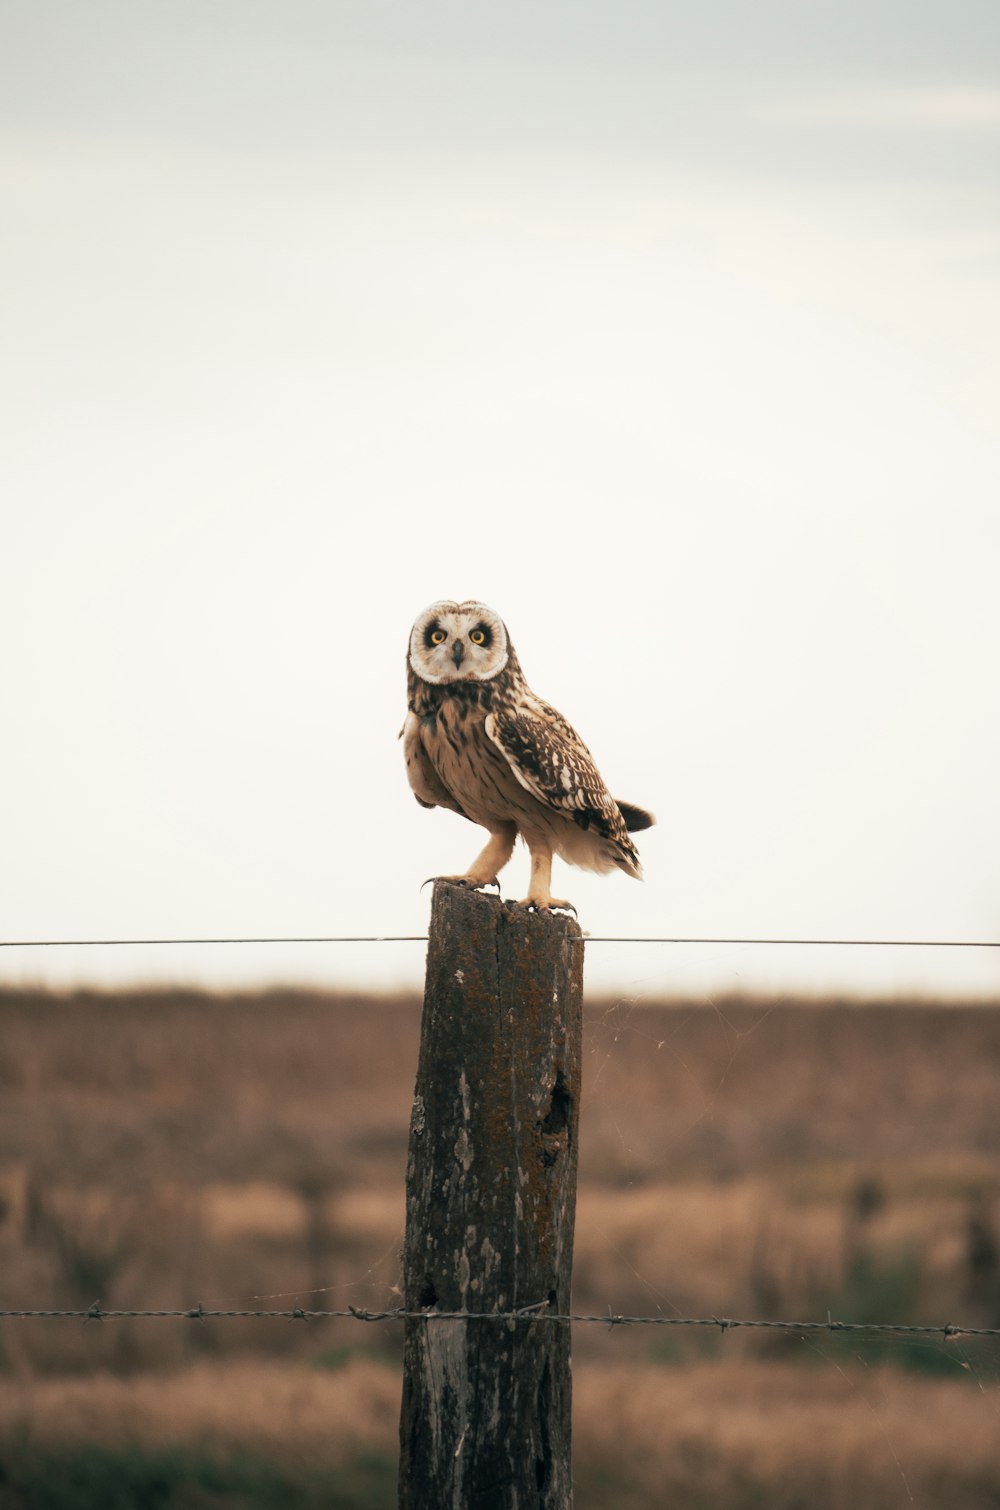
(426, 1296)
(558, 1113)
(556, 1122)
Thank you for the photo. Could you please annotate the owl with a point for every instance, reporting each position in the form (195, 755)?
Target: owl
(478, 741)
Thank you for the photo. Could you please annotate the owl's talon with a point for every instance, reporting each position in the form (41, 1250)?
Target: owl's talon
(549, 904)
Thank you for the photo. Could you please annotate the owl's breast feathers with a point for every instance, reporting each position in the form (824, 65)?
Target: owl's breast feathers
(444, 742)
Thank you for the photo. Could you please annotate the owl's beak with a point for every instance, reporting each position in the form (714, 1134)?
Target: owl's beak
(458, 653)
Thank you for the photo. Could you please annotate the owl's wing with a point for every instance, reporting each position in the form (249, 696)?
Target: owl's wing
(551, 761)
(426, 784)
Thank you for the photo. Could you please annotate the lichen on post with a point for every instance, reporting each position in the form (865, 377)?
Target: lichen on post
(490, 1204)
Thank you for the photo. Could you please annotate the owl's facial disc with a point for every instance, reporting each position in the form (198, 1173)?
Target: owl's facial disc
(458, 642)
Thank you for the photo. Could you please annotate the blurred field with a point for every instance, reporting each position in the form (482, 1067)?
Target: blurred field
(738, 1158)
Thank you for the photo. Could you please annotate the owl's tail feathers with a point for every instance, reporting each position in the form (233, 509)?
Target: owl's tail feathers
(636, 818)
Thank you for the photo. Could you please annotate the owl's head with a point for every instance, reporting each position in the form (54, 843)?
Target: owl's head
(458, 642)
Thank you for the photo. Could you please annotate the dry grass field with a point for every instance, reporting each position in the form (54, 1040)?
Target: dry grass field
(738, 1157)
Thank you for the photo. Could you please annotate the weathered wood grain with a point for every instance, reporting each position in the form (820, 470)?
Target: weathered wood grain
(491, 1190)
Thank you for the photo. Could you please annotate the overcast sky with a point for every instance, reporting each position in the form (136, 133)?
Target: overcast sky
(669, 330)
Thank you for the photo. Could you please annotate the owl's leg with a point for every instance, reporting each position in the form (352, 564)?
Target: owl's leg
(487, 866)
(539, 887)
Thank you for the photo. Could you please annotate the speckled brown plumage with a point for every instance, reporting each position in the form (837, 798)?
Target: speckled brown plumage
(478, 741)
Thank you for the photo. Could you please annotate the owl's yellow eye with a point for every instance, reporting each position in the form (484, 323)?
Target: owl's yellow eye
(477, 637)
(438, 637)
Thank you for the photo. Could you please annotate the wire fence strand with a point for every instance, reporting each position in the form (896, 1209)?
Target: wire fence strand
(421, 938)
(533, 1314)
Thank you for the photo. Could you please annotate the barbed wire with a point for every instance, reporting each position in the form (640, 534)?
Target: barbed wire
(537, 1313)
(421, 938)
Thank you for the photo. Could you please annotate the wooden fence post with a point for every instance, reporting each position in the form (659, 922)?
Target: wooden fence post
(490, 1203)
